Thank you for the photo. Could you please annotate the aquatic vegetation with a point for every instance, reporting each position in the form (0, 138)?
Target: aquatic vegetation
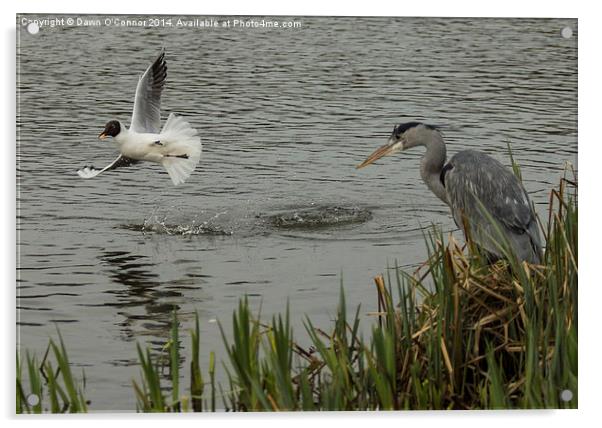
(458, 333)
(52, 387)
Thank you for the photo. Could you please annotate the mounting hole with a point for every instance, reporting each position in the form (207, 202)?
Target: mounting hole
(33, 399)
(33, 28)
(566, 395)
(567, 32)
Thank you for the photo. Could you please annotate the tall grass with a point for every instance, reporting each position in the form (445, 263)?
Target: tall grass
(458, 333)
(52, 387)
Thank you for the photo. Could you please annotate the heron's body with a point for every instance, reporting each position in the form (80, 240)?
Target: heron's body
(473, 176)
(477, 189)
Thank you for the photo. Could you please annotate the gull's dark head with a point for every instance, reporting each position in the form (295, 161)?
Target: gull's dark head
(404, 136)
(112, 129)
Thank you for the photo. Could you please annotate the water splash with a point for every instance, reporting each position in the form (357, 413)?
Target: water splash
(162, 227)
(178, 224)
(320, 216)
(248, 223)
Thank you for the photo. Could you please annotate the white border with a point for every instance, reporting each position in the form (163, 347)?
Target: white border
(507, 8)
(589, 176)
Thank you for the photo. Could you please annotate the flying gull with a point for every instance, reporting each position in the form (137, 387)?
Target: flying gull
(177, 146)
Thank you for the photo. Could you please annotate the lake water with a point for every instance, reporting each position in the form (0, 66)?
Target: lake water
(285, 115)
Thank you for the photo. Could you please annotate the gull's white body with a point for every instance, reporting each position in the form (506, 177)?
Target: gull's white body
(175, 139)
(141, 146)
(177, 147)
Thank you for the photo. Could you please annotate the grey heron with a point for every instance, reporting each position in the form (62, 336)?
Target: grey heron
(476, 187)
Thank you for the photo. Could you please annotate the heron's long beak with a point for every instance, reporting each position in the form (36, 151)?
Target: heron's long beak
(102, 135)
(393, 146)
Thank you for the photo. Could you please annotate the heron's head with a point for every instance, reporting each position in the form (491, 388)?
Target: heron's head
(112, 129)
(403, 137)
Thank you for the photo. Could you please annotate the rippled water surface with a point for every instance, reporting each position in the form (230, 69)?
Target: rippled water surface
(276, 209)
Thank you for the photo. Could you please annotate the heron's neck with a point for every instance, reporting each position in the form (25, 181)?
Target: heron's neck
(432, 163)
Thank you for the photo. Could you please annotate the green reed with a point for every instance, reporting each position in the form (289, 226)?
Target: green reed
(52, 387)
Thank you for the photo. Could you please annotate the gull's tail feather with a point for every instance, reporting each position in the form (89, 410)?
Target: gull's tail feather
(183, 148)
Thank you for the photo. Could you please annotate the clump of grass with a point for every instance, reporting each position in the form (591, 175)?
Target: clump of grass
(488, 336)
(51, 387)
(150, 390)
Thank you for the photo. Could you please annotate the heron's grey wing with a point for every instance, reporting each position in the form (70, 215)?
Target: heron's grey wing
(89, 171)
(147, 104)
(473, 175)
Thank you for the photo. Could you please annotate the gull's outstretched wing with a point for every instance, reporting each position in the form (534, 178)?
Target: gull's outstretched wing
(147, 104)
(89, 171)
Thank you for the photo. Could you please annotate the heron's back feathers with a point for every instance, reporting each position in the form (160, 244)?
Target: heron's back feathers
(477, 182)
